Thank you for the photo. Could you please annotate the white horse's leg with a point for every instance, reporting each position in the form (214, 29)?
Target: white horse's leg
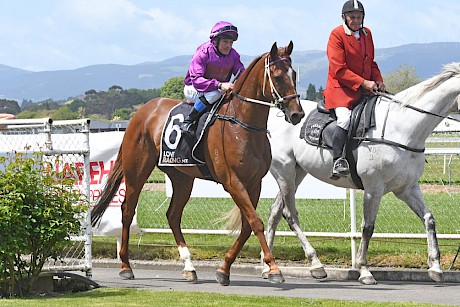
(274, 218)
(285, 204)
(291, 216)
(370, 210)
(414, 199)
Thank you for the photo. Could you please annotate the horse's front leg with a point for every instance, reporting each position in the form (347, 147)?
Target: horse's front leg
(182, 188)
(292, 218)
(370, 210)
(276, 213)
(414, 199)
(223, 273)
(288, 188)
(247, 203)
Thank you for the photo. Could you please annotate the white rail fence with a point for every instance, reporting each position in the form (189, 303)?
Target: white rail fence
(340, 213)
(324, 211)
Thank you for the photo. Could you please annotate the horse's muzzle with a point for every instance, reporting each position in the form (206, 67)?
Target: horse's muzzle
(295, 117)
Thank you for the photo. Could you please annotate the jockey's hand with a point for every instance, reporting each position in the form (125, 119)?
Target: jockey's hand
(226, 86)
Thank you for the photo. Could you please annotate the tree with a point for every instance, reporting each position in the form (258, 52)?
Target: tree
(311, 92)
(115, 88)
(27, 114)
(173, 88)
(401, 79)
(9, 106)
(90, 92)
(319, 94)
(122, 113)
(64, 113)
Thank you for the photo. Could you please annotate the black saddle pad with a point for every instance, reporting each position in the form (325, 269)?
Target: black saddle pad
(178, 149)
(319, 127)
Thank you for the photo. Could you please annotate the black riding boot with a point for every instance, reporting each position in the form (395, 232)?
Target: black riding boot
(188, 126)
(340, 167)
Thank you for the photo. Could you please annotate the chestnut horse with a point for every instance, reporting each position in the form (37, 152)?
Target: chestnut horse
(236, 151)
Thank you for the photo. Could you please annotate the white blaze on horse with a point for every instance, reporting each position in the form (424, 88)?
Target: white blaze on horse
(389, 159)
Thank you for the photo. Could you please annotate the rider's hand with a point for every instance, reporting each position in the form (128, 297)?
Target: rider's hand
(369, 86)
(381, 86)
(226, 86)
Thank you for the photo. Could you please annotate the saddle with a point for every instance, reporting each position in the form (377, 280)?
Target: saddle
(319, 128)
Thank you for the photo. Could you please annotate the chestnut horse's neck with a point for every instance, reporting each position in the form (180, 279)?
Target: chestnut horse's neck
(250, 103)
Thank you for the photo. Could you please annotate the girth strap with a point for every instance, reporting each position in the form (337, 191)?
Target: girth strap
(235, 120)
(383, 141)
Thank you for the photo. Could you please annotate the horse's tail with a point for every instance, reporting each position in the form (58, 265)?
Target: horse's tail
(231, 219)
(108, 192)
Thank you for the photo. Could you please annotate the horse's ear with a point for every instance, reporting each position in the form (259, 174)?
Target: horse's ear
(274, 50)
(289, 48)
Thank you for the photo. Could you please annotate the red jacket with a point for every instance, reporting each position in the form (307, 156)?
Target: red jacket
(348, 67)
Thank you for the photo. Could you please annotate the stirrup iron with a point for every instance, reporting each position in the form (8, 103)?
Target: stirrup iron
(341, 168)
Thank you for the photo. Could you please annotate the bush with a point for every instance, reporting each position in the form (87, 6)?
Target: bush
(39, 209)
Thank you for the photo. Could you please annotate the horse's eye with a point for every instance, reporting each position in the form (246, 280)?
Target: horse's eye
(278, 74)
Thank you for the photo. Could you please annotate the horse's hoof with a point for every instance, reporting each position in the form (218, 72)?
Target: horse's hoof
(435, 275)
(265, 275)
(126, 274)
(190, 275)
(222, 278)
(367, 280)
(318, 273)
(276, 278)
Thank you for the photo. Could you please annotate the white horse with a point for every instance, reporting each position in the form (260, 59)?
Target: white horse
(407, 120)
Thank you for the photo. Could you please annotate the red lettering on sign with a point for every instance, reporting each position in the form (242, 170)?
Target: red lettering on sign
(93, 172)
(118, 198)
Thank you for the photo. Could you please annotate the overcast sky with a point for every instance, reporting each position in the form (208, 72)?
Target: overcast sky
(41, 35)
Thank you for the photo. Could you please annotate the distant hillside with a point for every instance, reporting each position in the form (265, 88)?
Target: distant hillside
(18, 84)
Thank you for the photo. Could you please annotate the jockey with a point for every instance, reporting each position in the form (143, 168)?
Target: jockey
(211, 68)
(352, 72)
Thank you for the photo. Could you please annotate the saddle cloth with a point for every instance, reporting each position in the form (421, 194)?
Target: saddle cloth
(178, 149)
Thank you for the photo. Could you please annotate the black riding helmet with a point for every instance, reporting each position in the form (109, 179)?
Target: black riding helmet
(353, 5)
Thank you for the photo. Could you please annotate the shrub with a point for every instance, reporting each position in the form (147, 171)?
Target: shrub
(39, 209)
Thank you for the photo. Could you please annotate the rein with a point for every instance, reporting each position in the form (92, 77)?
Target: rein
(391, 97)
(383, 141)
(278, 99)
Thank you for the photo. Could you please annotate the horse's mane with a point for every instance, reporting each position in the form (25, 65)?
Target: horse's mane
(415, 93)
(245, 74)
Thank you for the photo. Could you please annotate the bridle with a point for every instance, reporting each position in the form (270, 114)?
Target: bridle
(276, 102)
(277, 98)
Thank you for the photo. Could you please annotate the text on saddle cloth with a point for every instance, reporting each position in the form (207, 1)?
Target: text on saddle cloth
(178, 149)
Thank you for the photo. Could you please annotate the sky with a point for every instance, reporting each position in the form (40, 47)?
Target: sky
(46, 35)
